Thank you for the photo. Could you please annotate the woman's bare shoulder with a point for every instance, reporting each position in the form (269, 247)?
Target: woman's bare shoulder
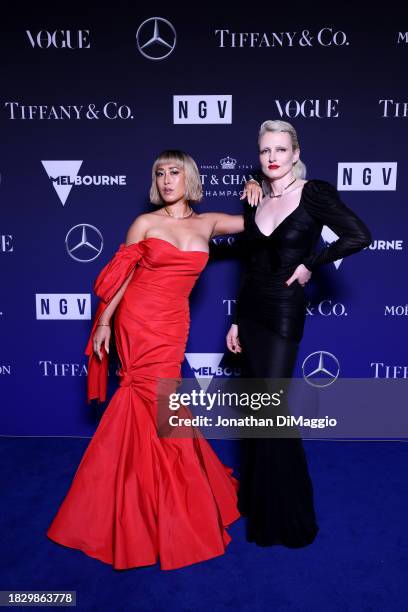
(140, 226)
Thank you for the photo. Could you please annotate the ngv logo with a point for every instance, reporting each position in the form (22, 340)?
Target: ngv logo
(202, 109)
(63, 306)
(367, 176)
(59, 39)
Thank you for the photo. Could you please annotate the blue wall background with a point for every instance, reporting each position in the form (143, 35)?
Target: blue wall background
(362, 317)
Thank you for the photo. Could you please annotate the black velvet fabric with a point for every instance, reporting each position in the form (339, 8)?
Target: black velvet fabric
(276, 493)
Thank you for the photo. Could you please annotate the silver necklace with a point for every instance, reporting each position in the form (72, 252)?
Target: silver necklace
(174, 216)
(280, 194)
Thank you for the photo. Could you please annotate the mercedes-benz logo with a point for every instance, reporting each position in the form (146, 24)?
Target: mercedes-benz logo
(153, 42)
(320, 369)
(84, 242)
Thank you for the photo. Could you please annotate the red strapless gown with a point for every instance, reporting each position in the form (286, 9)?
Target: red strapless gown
(136, 497)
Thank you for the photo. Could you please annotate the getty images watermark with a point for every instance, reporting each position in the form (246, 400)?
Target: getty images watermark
(254, 401)
(267, 408)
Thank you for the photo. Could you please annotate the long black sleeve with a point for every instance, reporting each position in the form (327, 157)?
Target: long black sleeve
(323, 203)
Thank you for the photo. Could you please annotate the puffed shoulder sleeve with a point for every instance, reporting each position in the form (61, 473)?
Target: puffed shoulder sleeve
(322, 201)
(111, 277)
(106, 285)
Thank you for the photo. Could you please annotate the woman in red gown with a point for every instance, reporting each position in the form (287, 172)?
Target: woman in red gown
(137, 497)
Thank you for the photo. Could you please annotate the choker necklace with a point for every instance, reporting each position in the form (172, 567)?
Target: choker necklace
(280, 194)
(184, 217)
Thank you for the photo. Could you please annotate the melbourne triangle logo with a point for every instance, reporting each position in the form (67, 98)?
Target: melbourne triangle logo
(204, 367)
(329, 236)
(62, 175)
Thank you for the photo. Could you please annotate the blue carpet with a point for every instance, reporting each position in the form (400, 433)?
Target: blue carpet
(359, 561)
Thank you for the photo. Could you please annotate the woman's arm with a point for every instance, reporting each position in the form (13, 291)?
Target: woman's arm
(135, 233)
(111, 307)
(323, 203)
(226, 224)
(252, 191)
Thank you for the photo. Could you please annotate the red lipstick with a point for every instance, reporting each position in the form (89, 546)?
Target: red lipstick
(273, 166)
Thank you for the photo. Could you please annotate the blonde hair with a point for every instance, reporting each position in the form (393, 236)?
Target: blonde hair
(299, 168)
(194, 189)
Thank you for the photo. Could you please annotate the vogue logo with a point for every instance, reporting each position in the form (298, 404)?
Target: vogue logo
(223, 241)
(202, 109)
(51, 306)
(59, 39)
(6, 243)
(326, 37)
(367, 176)
(318, 109)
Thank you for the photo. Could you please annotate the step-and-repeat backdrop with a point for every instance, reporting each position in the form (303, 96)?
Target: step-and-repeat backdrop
(88, 100)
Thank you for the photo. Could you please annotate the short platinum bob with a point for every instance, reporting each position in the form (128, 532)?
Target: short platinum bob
(194, 189)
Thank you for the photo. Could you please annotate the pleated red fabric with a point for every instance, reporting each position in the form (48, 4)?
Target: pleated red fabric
(137, 498)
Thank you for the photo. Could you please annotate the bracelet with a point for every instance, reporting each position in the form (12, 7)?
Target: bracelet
(103, 325)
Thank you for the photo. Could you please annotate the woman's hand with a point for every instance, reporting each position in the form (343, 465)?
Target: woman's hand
(101, 336)
(233, 343)
(253, 193)
(301, 274)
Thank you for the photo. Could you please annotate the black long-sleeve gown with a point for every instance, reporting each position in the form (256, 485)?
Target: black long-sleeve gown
(276, 492)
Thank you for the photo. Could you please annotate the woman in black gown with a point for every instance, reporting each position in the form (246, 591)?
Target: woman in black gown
(281, 234)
